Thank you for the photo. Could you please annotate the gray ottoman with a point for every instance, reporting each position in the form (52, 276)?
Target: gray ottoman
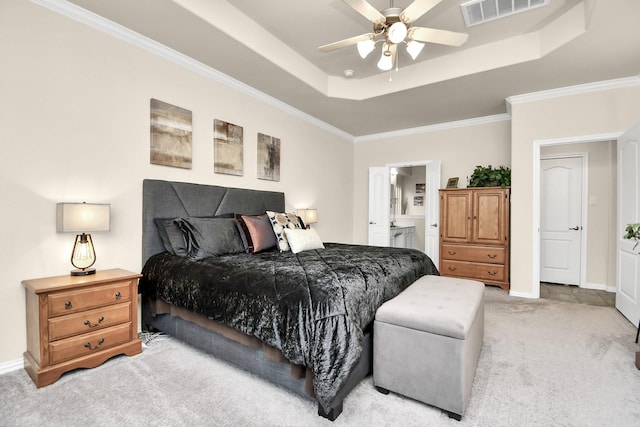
(427, 341)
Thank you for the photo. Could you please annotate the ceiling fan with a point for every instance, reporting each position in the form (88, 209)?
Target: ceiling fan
(391, 27)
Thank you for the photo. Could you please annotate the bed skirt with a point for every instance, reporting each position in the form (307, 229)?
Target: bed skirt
(249, 353)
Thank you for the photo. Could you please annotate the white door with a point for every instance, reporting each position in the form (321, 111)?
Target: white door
(561, 220)
(379, 206)
(628, 260)
(432, 212)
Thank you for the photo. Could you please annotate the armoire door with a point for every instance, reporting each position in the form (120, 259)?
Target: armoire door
(455, 224)
(489, 216)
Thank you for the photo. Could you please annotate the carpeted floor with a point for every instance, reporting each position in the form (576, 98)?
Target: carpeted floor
(544, 363)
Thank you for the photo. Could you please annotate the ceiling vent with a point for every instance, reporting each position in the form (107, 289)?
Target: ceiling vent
(480, 11)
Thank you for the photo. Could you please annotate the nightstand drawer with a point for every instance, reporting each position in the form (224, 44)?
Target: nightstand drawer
(486, 254)
(478, 271)
(88, 321)
(83, 299)
(86, 344)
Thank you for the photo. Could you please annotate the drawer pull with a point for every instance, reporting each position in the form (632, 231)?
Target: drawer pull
(492, 273)
(88, 344)
(67, 305)
(452, 268)
(452, 252)
(118, 295)
(492, 256)
(88, 322)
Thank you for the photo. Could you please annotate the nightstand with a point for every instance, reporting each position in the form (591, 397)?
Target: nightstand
(79, 322)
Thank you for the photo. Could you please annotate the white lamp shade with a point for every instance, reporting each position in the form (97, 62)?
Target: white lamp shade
(366, 47)
(397, 32)
(82, 217)
(386, 62)
(309, 216)
(414, 48)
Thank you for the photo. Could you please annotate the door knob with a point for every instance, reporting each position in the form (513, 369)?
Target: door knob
(434, 224)
(576, 228)
(371, 222)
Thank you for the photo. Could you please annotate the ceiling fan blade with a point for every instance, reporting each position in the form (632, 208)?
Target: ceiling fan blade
(365, 9)
(431, 35)
(346, 42)
(416, 9)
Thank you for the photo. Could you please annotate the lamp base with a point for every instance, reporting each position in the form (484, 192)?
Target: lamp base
(83, 272)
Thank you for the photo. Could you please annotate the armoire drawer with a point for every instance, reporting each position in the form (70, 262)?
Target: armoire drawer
(477, 271)
(485, 254)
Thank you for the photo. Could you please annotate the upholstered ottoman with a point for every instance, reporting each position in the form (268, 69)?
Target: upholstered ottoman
(427, 341)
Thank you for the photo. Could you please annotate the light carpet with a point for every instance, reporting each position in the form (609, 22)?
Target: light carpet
(543, 363)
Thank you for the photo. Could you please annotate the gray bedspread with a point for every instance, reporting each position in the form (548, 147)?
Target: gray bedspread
(313, 305)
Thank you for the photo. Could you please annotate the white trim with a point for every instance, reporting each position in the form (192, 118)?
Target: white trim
(572, 90)
(125, 34)
(523, 295)
(11, 365)
(535, 229)
(599, 287)
(433, 128)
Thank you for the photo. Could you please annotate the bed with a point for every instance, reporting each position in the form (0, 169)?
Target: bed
(301, 320)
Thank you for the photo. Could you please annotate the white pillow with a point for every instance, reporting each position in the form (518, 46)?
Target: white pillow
(303, 239)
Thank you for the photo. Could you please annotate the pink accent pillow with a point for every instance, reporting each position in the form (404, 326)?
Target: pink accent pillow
(256, 232)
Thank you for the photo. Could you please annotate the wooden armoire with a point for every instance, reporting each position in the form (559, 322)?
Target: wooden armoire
(474, 234)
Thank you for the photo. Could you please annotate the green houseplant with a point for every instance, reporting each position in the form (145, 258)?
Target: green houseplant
(633, 232)
(489, 177)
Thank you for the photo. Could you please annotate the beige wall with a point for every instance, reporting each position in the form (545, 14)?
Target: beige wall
(601, 212)
(459, 148)
(577, 116)
(75, 127)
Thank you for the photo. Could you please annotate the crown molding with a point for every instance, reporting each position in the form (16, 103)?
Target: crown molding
(120, 32)
(433, 128)
(572, 90)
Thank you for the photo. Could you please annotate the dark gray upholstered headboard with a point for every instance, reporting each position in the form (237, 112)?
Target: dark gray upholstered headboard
(168, 199)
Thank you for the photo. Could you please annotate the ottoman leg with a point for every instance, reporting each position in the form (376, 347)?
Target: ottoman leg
(456, 417)
(382, 390)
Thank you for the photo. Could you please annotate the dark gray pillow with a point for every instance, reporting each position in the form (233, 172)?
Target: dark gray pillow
(207, 237)
(172, 236)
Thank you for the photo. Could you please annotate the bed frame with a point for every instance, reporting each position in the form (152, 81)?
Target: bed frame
(167, 199)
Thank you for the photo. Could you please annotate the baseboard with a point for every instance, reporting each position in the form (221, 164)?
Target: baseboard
(598, 287)
(522, 295)
(10, 366)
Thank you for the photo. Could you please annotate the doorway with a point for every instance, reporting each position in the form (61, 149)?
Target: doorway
(381, 205)
(597, 270)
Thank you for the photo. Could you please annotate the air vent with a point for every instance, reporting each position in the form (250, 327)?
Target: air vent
(480, 11)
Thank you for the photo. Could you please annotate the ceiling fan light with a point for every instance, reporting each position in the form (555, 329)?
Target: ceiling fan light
(386, 61)
(365, 47)
(414, 48)
(397, 32)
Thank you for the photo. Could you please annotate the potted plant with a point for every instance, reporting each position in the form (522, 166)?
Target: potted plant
(490, 177)
(633, 232)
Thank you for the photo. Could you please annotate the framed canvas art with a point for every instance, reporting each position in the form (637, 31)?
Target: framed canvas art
(268, 157)
(170, 135)
(227, 148)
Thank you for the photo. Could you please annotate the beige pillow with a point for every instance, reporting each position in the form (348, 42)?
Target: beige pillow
(303, 239)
